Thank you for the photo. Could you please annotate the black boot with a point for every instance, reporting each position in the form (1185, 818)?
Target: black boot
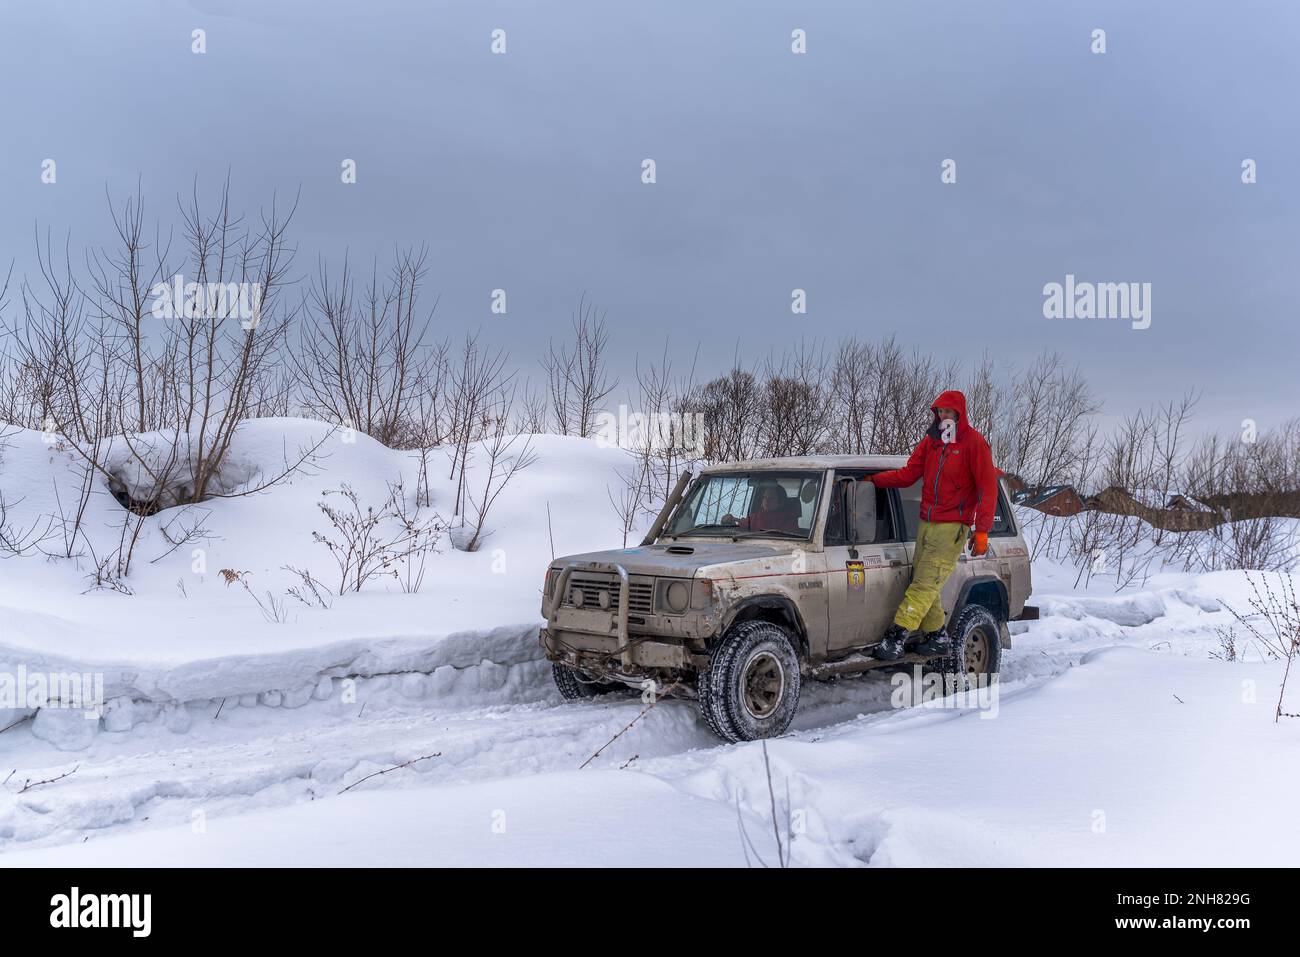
(934, 643)
(891, 646)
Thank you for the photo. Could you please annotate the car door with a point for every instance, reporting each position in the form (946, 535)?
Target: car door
(865, 580)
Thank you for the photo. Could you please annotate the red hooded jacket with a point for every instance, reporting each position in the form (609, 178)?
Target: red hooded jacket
(961, 482)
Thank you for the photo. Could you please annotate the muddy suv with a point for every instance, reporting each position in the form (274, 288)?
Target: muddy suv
(758, 575)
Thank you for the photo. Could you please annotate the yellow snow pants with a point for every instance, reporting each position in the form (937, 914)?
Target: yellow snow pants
(938, 546)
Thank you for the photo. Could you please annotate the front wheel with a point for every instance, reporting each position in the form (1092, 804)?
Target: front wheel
(751, 688)
(577, 686)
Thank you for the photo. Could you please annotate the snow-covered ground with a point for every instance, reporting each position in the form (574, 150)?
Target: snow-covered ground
(1117, 737)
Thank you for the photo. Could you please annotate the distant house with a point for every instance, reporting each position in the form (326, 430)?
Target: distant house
(1180, 513)
(1059, 500)
(1115, 500)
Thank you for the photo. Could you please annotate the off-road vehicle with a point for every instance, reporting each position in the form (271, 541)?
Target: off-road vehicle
(758, 575)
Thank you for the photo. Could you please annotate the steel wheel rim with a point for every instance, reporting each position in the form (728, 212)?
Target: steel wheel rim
(977, 652)
(762, 685)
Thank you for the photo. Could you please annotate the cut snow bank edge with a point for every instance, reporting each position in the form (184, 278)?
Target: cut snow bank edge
(495, 665)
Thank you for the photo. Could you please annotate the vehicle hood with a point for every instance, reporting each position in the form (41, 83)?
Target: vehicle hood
(657, 560)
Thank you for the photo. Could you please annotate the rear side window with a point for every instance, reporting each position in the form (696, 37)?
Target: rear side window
(1002, 524)
(910, 500)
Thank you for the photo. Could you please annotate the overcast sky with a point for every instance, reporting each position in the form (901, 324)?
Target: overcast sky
(775, 171)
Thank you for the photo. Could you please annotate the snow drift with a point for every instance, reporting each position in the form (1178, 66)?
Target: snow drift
(184, 634)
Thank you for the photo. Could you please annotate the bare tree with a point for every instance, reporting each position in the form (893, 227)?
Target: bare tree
(476, 381)
(1051, 423)
(577, 380)
(851, 383)
(732, 410)
(363, 359)
(796, 411)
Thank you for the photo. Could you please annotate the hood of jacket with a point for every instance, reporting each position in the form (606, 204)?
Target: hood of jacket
(951, 399)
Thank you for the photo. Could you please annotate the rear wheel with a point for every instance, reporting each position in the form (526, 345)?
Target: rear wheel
(751, 688)
(577, 685)
(976, 647)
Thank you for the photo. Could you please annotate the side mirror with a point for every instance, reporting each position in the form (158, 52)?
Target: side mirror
(858, 511)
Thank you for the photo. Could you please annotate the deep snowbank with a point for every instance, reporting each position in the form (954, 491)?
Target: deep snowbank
(184, 635)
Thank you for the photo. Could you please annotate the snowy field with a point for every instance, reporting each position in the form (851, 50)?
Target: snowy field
(1118, 736)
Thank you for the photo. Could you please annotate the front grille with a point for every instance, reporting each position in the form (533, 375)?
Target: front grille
(640, 597)
(640, 594)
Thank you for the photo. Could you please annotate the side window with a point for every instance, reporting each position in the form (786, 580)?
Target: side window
(910, 499)
(884, 517)
(835, 520)
(1002, 524)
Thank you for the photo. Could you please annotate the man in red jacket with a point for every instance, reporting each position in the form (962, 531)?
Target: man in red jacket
(960, 488)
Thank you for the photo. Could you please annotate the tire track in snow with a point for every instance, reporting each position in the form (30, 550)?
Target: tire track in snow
(264, 757)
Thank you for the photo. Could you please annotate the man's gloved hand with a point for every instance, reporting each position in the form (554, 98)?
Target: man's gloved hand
(979, 544)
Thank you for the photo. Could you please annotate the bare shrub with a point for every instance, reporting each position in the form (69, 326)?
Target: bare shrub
(634, 493)
(368, 542)
(507, 455)
(310, 590)
(274, 609)
(1274, 625)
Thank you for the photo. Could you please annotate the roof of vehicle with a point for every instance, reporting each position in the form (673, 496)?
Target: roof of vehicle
(812, 462)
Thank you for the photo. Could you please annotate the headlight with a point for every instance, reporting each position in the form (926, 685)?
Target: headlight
(674, 595)
(678, 596)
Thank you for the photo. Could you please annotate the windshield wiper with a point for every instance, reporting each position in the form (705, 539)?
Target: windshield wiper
(729, 531)
(777, 531)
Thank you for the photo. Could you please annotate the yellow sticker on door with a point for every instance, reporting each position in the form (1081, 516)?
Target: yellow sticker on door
(857, 575)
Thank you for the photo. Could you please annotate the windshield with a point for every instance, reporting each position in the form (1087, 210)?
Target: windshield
(744, 504)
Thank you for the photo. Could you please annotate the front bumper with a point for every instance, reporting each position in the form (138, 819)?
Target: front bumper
(642, 653)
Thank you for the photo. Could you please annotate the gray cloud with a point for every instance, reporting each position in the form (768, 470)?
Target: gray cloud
(776, 171)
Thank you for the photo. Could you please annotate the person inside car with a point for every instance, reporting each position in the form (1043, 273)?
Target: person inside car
(771, 511)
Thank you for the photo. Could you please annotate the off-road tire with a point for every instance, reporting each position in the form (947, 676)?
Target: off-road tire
(976, 647)
(577, 687)
(751, 687)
